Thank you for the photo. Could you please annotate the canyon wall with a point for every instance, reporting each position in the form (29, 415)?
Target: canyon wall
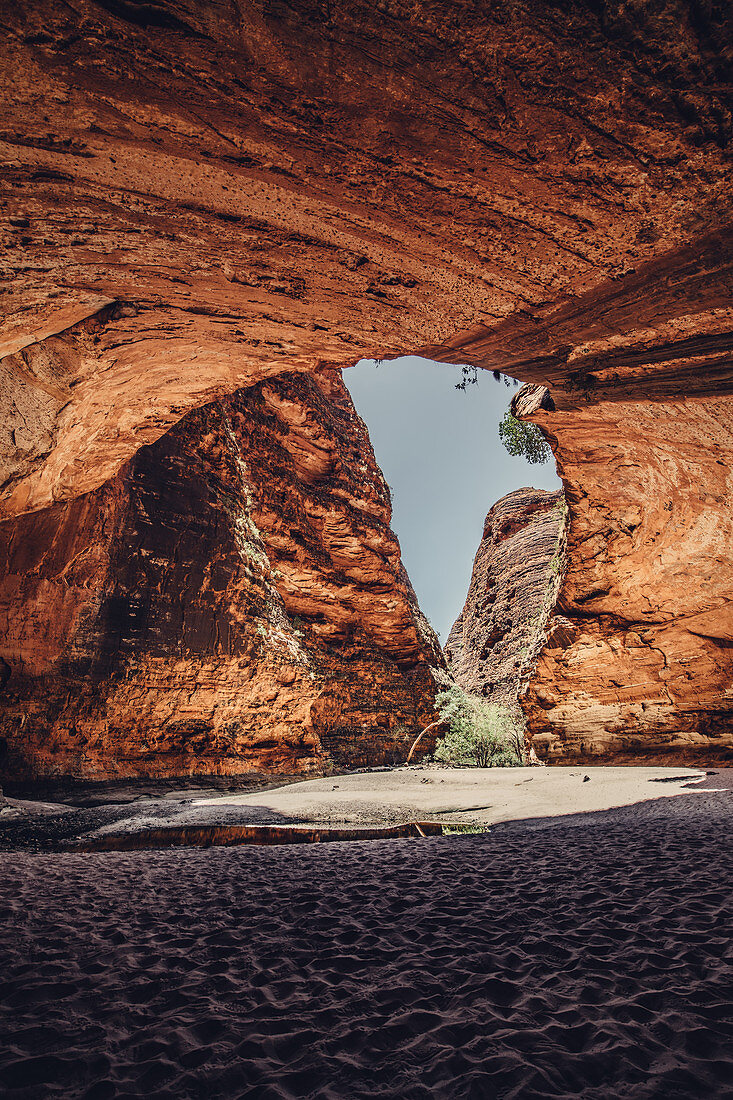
(638, 665)
(493, 646)
(233, 600)
(201, 197)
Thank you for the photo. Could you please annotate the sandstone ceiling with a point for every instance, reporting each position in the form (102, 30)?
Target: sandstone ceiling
(199, 196)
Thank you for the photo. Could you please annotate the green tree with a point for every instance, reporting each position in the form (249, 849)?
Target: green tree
(524, 439)
(479, 732)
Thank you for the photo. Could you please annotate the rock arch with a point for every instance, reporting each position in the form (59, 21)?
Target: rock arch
(200, 198)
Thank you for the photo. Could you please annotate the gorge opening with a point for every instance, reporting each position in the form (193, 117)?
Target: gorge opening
(212, 211)
(440, 452)
(177, 285)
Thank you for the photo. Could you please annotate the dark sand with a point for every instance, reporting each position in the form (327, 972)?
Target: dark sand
(581, 956)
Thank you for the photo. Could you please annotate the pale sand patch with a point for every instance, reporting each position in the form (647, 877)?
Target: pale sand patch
(474, 795)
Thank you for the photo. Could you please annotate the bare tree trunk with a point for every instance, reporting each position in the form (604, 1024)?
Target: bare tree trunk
(421, 734)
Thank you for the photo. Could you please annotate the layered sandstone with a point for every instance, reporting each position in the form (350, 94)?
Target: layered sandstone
(198, 196)
(493, 646)
(638, 665)
(233, 600)
(201, 197)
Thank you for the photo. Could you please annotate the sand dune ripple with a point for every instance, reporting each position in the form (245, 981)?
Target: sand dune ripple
(587, 957)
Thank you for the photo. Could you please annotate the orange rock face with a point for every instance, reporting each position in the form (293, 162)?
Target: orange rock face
(235, 190)
(232, 601)
(200, 198)
(493, 646)
(638, 664)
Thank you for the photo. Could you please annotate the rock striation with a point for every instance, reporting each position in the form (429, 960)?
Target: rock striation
(495, 641)
(638, 664)
(233, 600)
(200, 198)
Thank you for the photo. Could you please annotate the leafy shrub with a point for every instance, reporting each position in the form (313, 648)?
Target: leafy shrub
(485, 734)
(523, 439)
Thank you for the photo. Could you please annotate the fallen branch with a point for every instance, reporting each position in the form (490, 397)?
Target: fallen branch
(421, 734)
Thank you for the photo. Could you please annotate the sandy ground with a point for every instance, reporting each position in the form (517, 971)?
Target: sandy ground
(474, 795)
(579, 956)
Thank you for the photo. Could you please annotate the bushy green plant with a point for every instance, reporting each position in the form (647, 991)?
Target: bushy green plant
(482, 733)
(523, 439)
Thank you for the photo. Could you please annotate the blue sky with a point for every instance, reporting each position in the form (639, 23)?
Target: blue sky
(439, 449)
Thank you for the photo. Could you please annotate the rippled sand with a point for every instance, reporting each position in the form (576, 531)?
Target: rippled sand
(583, 956)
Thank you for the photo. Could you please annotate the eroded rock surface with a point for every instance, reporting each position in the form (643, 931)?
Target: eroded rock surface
(232, 600)
(638, 665)
(201, 197)
(234, 190)
(495, 641)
